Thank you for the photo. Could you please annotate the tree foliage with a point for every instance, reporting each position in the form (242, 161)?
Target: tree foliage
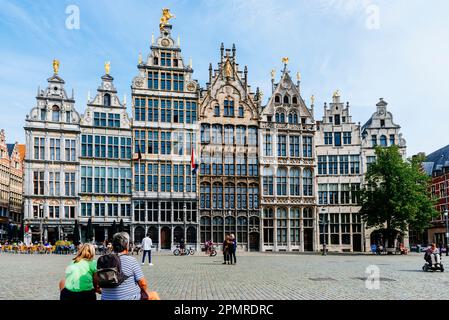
(396, 193)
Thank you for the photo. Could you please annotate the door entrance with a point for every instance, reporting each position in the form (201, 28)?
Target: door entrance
(254, 240)
(165, 238)
(357, 242)
(308, 239)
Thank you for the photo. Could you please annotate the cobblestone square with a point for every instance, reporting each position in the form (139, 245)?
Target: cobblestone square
(256, 276)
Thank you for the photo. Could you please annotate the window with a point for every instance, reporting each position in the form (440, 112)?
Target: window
(347, 139)
(253, 197)
(38, 183)
(55, 149)
(205, 196)
(322, 165)
(241, 165)
(294, 146)
(217, 164)
(268, 145)
(190, 112)
(322, 194)
(307, 147)
(382, 123)
(286, 99)
(373, 140)
(344, 193)
(55, 115)
(178, 143)
(217, 230)
(229, 165)
(344, 165)
(86, 209)
(100, 147)
(337, 119)
(99, 180)
(166, 111)
(217, 111)
(53, 212)
(328, 138)
(280, 117)
(333, 164)
(165, 142)
(54, 183)
(178, 82)
(178, 178)
(333, 193)
(166, 81)
(268, 189)
(69, 212)
(205, 164)
(178, 112)
(268, 226)
(217, 133)
(241, 136)
(295, 100)
(99, 119)
(217, 199)
(241, 196)
(205, 229)
(392, 140)
(153, 110)
(294, 183)
(229, 196)
(252, 136)
(113, 120)
(205, 133)
(140, 141)
(229, 135)
(355, 193)
(165, 177)
(335, 228)
(337, 137)
(44, 114)
(68, 116)
(241, 112)
(277, 99)
(152, 177)
(281, 182)
(282, 146)
(166, 59)
(70, 184)
(107, 100)
(39, 148)
(355, 164)
(295, 230)
(86, 179)
(281, 216)
(70, 150)
(307, 182)
(383, 141)
(242, 230)
(153, 80)
(229, 108)
(253, 168)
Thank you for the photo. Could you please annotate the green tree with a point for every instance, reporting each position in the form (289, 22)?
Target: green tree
(396, 193)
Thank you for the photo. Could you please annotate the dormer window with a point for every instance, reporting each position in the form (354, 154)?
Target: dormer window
(295, 100)
(229, 108)
(107, 100)
(286, 100)
(382, 123)
(68, 117)
(175, 63)
(155, 61)
(277, 99)
(337, 119)
(166, 59)
(43, 114)
(217, 111)
(55, 114)
(241, 112)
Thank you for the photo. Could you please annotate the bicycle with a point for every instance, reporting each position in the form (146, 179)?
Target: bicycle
(189, 251)
(210, 250)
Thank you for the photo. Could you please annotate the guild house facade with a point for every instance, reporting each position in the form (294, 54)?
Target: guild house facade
(195, 163)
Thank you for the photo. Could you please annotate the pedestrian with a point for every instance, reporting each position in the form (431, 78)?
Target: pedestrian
(133, 285)
(147, 243)
(226, 250)
(78, 283)
(233, 249)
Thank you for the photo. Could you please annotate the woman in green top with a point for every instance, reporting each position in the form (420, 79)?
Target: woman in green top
(78, 283)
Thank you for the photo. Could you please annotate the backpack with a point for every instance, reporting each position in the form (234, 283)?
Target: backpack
(109, 271)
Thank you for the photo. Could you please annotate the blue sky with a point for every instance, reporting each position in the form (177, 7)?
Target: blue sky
(405, 61)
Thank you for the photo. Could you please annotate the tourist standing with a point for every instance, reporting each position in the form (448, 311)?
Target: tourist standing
(147, 243)
(233, 249)
(226, 250)
(78, 283)
(134, 285)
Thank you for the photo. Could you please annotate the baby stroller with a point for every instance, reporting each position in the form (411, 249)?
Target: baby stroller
(433, 265)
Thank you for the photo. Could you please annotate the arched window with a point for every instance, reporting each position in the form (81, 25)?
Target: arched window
(295, 118)
(229, 134)
(295, 226)
(277, 99)
(383, 141)
(107, 100)
(217, 229)
(281, 216)
(281, 186)
(205, 196)
(307, 183)
(295, 100)
(55, 114)
(242, 230)
(217, 199)
(229, 196)
(217, 111)
(290, 118)
(277, 117)
(205, 229)
(268, 182)
(241, 135)
(253, 195)
(268, 227)
(229, 107)
(286, 99)
(241, 112)
(230, 226)
(241, 196)
(217, 132)
(282, 118)
(205, 133)
(294, 183)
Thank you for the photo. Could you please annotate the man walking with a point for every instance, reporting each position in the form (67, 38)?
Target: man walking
(147, 243)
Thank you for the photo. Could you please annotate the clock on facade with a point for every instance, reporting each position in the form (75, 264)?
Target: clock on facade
(139, 83)
(191, 86)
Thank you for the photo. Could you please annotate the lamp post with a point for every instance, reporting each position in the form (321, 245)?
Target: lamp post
(41, 218)
(324, 221)
(447, 231)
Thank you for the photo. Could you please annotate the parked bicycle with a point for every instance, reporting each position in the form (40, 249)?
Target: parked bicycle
(209, 249)
(185, 252)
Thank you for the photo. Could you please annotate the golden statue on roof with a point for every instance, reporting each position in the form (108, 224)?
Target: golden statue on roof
(56, 66)
(166, 16)
(228, 69)
(107, 67)
(285, 60)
